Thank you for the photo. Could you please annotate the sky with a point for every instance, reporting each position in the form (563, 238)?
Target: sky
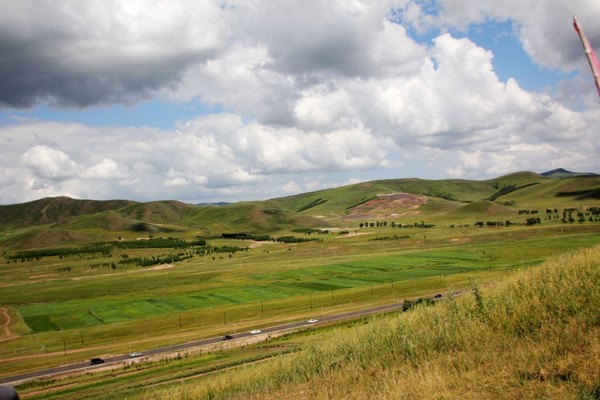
(206, 101)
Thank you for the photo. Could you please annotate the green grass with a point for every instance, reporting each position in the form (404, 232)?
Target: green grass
(546, 195)
(327, 208)
(104, 310)
(271, 283)
(534, 334)
(78, 313)
(130, 380)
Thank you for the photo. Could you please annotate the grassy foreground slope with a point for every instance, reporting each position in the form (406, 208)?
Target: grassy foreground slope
(533, 335)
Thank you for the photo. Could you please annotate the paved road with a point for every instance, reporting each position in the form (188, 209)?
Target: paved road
(203, 342)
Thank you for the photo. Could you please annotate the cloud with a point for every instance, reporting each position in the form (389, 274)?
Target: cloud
(263, 149)
(207, 156)
(291, 187)
(305, 42)
(49, 163)
(101, 53)
(105, 169)
(96, 52)
(544, 29)
(312, 95)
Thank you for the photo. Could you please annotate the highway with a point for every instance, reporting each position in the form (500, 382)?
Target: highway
(183, 346)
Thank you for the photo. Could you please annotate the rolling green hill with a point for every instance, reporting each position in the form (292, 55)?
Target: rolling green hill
(405, 200)
(53, 210)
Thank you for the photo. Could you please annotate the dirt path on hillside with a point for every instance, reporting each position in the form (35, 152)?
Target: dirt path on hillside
(6, 333)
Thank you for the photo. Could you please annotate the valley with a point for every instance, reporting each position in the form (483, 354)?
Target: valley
(81, 279)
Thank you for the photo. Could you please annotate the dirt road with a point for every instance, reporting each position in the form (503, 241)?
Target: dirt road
(6, 320)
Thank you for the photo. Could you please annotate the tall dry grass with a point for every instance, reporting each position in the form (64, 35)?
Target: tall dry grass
(535, 335)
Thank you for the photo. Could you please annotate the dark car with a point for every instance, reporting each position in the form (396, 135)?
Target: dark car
(96, 361)
(227, 337)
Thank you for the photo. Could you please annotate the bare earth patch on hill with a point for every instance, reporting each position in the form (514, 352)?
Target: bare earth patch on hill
(387, 204)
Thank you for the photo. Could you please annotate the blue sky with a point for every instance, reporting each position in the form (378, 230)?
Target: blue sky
(510, 59)
(205, 101)
(158, 113)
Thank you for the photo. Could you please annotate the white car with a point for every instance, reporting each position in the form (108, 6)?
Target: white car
(312, 321)
(135, 354)
(255, 331)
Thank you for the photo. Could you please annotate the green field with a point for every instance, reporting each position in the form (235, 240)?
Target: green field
(535, 331)
(102, 311)
(68, 305)
(242, 280)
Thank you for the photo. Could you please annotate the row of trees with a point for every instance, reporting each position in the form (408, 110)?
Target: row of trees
(159, 243)
(569, 215)
(293, 239)
(155, 260)
(537, 220)
(390, 238)
(393, 224)
(105, 248)
(30, 255)
(281, 239)
(493, 223)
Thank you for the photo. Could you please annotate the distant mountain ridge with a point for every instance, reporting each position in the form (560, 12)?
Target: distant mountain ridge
(561, 173)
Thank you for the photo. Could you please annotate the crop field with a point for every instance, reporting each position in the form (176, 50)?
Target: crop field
(479, 344)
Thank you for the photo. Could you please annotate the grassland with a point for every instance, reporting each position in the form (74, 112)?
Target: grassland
(103, 311)
(534, 334)
(367, 251)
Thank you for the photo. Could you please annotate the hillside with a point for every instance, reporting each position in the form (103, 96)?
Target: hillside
(53, 210)
(533, 335)
(406, 201)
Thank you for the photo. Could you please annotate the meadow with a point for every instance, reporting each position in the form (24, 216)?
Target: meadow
(533, 334)
(71, 314)
(82, 279)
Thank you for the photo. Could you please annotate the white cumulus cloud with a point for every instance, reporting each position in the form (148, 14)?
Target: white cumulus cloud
(49, 163)
(292, 95)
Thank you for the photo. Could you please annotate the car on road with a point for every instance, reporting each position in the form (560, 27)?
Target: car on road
(255, 331)
(312, 321)
(135, 354)
(96, 361)
(227, 337)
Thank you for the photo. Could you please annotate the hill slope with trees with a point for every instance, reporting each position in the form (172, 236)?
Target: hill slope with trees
(404, 201)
